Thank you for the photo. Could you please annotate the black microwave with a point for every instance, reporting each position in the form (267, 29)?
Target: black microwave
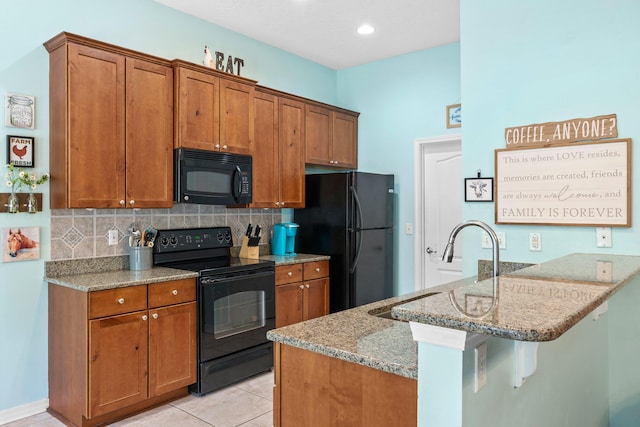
(211, 178)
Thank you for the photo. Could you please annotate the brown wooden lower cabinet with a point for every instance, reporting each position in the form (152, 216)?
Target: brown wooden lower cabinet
(302, 292)
(116, 352)
(312, 389)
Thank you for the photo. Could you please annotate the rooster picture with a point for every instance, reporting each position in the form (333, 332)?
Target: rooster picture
(20, 152)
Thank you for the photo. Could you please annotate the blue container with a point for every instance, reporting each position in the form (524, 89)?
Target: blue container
(284, 239)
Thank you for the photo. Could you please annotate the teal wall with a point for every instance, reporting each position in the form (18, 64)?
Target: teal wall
(538, 61)
(401, 99)
(24, 68)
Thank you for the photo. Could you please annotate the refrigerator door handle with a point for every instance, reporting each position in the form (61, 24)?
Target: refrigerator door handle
(356, 229)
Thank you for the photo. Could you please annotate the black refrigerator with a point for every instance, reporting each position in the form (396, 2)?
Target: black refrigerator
(349, 216)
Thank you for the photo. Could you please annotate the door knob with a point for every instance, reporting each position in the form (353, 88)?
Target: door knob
(431, 251)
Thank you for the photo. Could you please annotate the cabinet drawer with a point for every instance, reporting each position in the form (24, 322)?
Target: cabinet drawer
(117, 301)
(315, 270)
(288, 274)
(174, 292)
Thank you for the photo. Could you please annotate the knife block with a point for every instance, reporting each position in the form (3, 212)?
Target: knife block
(247, 251)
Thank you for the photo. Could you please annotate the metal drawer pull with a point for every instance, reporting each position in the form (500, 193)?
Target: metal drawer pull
(121, 301)
(174, 292)
(154, 315)
(318, 269)
(144, 317)
(290, 273)
(301, 286)
(307, 286)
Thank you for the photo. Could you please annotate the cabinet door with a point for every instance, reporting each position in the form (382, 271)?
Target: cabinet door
(318, 135)
(117, 362)
(288, 304)
(291, 153)
(345, 141)
(236, 117)
(172, 347)
(197, 114)
(265, 151)
(96, 137)
(149, 135)
(316, 298)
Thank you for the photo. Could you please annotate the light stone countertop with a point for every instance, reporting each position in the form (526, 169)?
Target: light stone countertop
(296, 259)
(91, 282)
(537, 303)
(97, 274)
(359, 337)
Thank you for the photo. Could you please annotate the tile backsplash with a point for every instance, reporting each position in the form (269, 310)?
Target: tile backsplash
(83, 233)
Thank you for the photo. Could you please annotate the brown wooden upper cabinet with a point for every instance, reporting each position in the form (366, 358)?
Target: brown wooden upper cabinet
(331, 137)
(278, 151)
(214, 110)
(111, 126)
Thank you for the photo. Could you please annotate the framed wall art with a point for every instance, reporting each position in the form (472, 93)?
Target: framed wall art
(478, 189)
(580, 183)
(20, 244)
(454, 116)
(20, 111)
(20, 151)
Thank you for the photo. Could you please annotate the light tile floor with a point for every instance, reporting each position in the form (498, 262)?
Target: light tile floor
(246, 404)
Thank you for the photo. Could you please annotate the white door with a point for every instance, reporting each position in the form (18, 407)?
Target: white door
(440, 200)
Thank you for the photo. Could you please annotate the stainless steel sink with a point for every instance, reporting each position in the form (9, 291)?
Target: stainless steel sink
(384, 312)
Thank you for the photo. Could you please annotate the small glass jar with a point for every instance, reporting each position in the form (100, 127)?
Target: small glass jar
(21, 111)
(13, 204)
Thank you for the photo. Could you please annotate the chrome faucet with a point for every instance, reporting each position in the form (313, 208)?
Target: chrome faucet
(447, 256)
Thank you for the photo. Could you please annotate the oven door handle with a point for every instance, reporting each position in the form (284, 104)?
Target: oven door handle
(214, 280)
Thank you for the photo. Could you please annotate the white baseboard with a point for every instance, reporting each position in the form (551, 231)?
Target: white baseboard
(23, 411)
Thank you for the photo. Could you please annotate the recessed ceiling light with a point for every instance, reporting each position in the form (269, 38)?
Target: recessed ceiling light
(365, 29)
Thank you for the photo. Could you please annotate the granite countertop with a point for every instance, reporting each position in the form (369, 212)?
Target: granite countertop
(295, 259)
(91, 282)
(537, 303)
(96, 274)
(359, 337)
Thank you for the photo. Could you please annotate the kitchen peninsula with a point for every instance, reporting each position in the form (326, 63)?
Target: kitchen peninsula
(584, 371)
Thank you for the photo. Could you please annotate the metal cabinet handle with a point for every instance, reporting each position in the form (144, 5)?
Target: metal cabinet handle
(317, 269)
(306, 286)
(301, 286)
(174, 292)
(154, 315)
(121, 202)
(290, 273)
(144, 317)
(224, 147)
(217, 145)
(121, 301)
(132, 202)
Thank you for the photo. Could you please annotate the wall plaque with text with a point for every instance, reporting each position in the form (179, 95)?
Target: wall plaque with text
(585, 184)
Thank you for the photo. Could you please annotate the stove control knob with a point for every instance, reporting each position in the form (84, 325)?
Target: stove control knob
(220, 237)
(164, 241)
(173, 240)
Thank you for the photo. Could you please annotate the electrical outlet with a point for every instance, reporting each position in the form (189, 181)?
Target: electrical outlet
(113, 237)
(535, 242)
(502, 240)
(408, 228)
(603, 237)
(480, 353)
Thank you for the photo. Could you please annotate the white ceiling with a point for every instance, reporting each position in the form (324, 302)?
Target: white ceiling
(324, 31)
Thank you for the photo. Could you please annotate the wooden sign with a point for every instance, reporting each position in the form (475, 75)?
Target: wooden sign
(572, 184)
(544, 134)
